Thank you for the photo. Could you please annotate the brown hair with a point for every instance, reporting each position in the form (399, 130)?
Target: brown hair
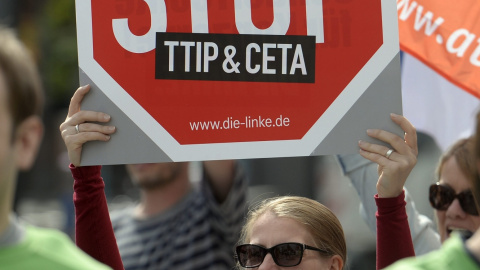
(322, 224)
(462, 151)
(24, 89)
(476, 155)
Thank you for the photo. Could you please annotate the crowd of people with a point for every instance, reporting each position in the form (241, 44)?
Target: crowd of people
(180, 225)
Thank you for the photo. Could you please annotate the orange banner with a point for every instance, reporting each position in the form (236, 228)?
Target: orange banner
(445, 35)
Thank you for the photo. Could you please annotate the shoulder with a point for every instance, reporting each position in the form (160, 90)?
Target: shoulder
(53, 248)
(50, 239)
(452, 255)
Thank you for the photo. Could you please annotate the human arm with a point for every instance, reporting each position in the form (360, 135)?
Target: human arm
(229, 215)
(363, 175)
(393, 170)
(220, 175)
(393, 234)
(93, 228)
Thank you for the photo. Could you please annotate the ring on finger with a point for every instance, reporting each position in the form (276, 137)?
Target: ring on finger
(77, 128)
(389, 153)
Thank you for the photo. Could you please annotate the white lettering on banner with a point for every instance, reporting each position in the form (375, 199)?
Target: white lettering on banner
(233, 57)
(315, 19)
(284, 48)
(229, 65)
(249, 122)
(475, 55)
(171, 48)
(298, 61)
(281, 18)
(467, 40)
(209, 57)
(248, 59)
(187, 45)
(420, 19)
(199, 57)
(267, 58)
(458, 42)
(230, 51)
(406, 10)
(199, 16)
(145, 43)
(199, 12)
(427, 20)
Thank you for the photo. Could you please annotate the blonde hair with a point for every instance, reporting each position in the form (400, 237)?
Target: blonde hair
(322, 224)
(476, 155)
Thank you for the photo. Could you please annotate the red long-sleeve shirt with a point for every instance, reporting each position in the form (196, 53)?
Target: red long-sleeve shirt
(394, 241)
(93, 228)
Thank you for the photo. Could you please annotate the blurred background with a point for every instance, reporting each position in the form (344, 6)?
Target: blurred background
(44, 195)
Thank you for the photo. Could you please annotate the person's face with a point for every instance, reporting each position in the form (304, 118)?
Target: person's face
(454, 218)
(269, 230)
(153, 175)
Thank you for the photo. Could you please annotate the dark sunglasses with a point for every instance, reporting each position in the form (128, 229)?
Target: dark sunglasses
(286, 254)
(441, 197)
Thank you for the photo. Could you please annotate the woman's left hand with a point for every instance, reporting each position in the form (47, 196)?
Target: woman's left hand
(393, 167)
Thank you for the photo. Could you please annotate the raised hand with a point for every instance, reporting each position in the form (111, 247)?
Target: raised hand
(82, 126)
(394, 165)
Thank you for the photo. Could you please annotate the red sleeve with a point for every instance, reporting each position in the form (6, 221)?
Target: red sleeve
(394, 241)
(93, 228)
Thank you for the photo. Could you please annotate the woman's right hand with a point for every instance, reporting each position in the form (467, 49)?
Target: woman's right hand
(82, 126)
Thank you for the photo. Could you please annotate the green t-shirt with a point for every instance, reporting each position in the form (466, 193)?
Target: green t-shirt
(452, 255)
(46, 249)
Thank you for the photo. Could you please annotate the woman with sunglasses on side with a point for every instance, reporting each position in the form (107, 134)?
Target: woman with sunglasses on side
(451, 196)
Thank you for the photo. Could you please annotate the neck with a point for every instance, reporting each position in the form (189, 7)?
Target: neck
(4, 220)
(156, 201)
(6, 204)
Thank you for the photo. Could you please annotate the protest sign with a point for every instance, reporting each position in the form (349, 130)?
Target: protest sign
(192, 80)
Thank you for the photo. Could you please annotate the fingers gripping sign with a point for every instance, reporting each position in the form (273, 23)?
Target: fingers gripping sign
(394, 165)
(83, 126)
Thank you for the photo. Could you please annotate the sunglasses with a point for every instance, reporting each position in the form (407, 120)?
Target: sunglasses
(441, 197)
(286, 254)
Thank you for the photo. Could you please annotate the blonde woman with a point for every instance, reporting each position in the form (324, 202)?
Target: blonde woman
(294, 232)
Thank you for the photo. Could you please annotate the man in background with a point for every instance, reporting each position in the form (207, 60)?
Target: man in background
(178, 224)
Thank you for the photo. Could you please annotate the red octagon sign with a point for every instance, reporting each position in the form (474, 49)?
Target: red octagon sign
(192, 73)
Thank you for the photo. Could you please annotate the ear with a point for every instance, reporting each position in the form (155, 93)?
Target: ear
(28, 137)
(336, 262)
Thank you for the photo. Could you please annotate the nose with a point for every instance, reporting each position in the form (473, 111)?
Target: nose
(268, 263)
(455, 210)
